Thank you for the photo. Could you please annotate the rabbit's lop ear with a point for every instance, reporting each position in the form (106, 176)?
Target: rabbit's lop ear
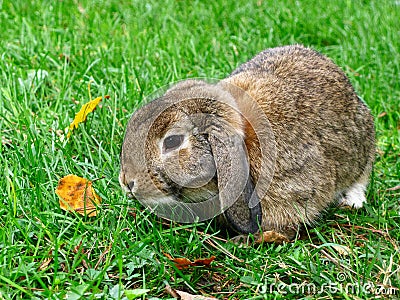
(235, 185)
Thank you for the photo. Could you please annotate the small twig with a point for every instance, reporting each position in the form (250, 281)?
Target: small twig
(101, 258)
(385, 234)
(223, 250)
(395, 188)
(333, 260)
(102, 177)
(381, 232)
(209, 241)
(199, 232)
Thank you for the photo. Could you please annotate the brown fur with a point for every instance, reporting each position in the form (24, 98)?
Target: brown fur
(323, 134)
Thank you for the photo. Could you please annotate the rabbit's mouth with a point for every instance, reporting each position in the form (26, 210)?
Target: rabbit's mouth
(200, 194)
(157, 202)
(175, 194)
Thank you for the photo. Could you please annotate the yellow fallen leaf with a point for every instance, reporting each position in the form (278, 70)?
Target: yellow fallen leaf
(77, 194)
(83, 112)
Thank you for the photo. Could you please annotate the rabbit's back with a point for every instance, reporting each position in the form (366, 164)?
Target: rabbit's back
(324, 133)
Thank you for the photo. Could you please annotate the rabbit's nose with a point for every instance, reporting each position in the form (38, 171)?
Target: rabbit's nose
(131, 185)
(126, 186)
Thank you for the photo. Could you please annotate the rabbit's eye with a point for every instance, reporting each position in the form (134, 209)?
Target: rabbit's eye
(172, 142)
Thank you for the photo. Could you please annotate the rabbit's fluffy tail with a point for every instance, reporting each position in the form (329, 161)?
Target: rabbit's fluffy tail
(354, 196)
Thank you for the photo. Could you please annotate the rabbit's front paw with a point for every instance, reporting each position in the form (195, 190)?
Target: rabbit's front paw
(269, 236)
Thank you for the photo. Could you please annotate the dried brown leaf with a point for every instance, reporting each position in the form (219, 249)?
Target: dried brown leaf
(183, 263)
(342, 250)
(187, 296)
(46, 262)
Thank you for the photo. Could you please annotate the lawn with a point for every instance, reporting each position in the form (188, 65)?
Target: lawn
(52, 50)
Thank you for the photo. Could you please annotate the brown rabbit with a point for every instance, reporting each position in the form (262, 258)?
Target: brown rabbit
(268, 148)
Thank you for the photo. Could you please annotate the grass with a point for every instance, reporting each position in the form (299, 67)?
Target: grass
(129, 49)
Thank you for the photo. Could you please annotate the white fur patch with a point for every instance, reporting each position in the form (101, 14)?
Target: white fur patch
(354, 196)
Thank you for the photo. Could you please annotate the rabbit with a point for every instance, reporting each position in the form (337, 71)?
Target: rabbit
(267, 149)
